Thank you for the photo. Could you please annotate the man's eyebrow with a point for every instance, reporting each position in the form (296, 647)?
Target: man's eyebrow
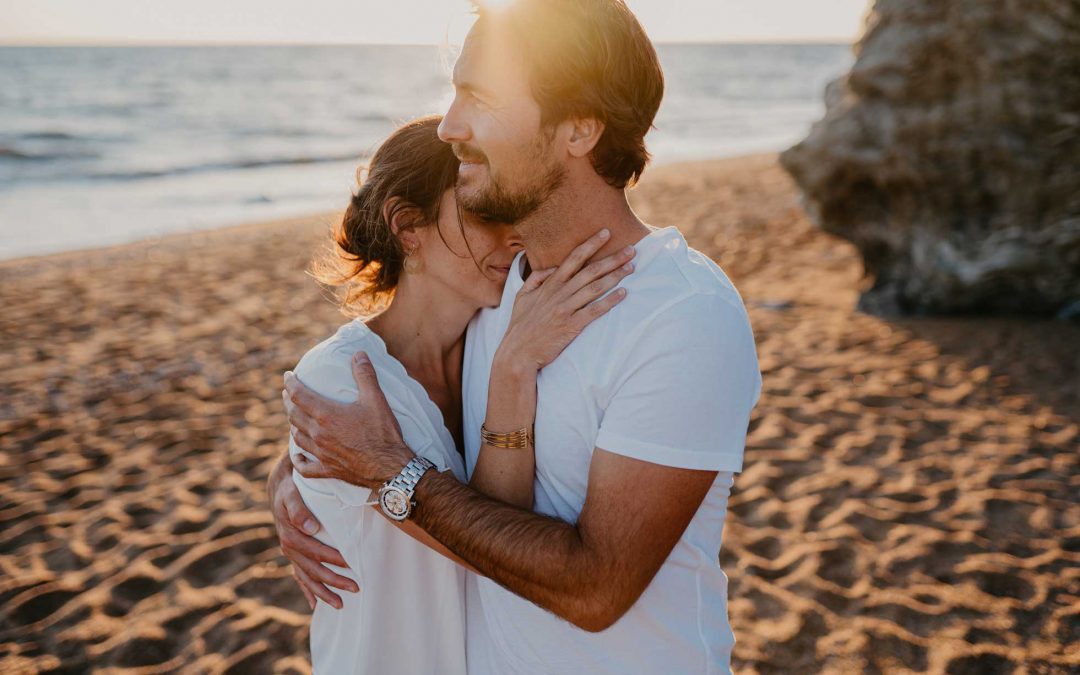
(471, 87)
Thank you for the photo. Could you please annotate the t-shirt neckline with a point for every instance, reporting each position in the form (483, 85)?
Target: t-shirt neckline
(658, 234)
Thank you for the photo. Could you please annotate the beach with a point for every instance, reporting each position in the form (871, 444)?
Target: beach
(909, 499)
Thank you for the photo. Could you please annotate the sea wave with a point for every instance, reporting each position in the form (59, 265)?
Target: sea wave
(49, 136)
(96, 142)
(11, 153)
(142, 174)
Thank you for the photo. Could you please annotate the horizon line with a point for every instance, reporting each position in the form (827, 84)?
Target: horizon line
(77, 42)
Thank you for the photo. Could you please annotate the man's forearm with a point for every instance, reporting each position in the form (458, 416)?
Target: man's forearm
(540, 558)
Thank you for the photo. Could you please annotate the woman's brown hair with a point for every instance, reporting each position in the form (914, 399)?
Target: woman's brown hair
(406, 177)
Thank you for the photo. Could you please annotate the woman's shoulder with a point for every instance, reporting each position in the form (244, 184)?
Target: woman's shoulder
(327, 367)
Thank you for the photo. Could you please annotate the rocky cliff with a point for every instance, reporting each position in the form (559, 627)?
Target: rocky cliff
(950, 157)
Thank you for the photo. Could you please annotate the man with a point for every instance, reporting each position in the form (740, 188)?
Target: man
(640, 422)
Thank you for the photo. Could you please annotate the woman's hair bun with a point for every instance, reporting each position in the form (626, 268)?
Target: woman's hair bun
(405, 180)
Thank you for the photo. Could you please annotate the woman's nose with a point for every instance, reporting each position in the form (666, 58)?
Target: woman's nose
(513, 240)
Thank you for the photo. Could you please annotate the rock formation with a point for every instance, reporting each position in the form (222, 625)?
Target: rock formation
(950, 157)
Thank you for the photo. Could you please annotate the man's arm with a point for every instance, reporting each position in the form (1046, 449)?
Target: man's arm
(678, 416)
(589, 573)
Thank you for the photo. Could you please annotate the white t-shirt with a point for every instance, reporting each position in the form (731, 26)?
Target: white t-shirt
(669, 376)
(409, 616)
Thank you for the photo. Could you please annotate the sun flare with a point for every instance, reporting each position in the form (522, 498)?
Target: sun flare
(495, 4)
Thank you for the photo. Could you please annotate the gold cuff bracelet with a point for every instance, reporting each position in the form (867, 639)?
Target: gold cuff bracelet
(514, 440)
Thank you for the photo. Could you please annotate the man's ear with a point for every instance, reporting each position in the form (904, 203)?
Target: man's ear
(400, 218)
(584, 135)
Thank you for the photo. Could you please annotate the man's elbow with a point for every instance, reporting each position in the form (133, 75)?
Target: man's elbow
(600, 612)
(596, 624)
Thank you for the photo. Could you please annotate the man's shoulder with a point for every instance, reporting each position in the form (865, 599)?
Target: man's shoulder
(679, 283)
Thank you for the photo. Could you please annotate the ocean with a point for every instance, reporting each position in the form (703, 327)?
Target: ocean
(104, 145)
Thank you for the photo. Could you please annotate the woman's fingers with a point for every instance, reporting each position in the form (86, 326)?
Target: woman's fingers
(597, 287)
(580, 255)
(597, 269)
(590, 313)
(537, 277)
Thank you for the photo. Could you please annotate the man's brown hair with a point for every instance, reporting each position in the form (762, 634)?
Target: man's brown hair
(589, 58)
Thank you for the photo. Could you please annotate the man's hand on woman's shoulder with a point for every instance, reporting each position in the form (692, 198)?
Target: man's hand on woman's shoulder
(359, 442)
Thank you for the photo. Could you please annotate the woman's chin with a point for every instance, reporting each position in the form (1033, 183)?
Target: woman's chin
(495, 297)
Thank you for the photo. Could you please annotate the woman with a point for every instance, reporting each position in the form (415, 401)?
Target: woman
(403, 247)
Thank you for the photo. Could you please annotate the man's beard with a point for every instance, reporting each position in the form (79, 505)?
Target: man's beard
(497, 203)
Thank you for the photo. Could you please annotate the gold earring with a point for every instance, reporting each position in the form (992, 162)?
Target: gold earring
(412, 264)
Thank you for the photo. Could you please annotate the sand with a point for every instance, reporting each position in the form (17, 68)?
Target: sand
(910, 498)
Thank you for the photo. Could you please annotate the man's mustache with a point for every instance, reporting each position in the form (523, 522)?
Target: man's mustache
(467, 154)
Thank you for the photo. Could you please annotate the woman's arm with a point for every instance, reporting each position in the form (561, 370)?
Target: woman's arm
(507, 474)
(550, 310)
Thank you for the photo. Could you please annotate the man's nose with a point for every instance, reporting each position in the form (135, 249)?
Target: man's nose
(452, 129)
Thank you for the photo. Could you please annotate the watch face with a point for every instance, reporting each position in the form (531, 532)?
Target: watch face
(394, 502)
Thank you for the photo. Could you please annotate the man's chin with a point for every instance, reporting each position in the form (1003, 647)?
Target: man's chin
(470, 190)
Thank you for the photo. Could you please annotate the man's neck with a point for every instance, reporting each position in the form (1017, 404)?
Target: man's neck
(572, 214)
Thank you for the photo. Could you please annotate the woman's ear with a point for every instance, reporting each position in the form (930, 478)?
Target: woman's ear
(400, 218)
(584, 135)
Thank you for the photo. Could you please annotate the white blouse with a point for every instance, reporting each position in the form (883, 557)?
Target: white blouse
(409, 616)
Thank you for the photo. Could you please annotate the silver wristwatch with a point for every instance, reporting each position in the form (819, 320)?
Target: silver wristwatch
(396, 496)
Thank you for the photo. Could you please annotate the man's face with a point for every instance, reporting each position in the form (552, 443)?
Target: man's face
(509, 164)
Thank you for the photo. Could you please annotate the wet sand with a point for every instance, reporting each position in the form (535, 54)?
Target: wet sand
(910, 498)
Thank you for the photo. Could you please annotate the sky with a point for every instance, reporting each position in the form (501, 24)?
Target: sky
(396, 21)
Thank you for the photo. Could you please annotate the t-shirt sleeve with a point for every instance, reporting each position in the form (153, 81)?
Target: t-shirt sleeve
(683, 394)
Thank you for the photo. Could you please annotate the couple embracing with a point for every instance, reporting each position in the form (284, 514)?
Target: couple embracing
(519, 460)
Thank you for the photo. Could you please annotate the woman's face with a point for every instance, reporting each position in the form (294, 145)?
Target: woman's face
(472, 257)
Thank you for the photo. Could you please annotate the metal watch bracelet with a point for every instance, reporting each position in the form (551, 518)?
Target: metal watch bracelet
(411, 474)
(396, 496)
